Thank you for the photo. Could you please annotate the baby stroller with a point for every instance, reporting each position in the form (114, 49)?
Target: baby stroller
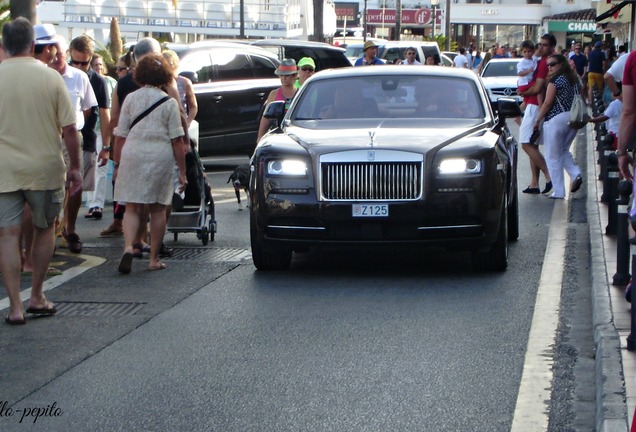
(194, 210)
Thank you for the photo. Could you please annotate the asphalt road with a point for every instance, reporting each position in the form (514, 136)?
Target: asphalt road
(358, 340)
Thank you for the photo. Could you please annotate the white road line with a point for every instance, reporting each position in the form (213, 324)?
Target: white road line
(55, 281)
(532, 410)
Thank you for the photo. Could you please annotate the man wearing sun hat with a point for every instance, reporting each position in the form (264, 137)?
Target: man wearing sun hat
(306, 68)
(287, 71)
(370, 51)
(45, 43)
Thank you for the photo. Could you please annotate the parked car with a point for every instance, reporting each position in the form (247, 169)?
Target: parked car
(325, 56)
(353, 48)
(500, 79)
(390, 50)
(232, 82)
(446, 61)
(394, 155)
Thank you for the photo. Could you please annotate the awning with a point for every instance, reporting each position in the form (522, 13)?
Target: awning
(614, 10)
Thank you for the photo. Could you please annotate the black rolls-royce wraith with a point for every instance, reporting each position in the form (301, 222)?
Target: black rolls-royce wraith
(386, 155)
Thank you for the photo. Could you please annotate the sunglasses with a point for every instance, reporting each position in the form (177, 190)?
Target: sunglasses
(77, 62)
(119, 68)
(553, 64)
(307, 69)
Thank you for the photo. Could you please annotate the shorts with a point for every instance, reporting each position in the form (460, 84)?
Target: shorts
(45, 206)
(595, 79)
(88, 165)
(525, 130)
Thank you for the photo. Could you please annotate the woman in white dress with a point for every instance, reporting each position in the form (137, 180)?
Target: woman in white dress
(148, 152)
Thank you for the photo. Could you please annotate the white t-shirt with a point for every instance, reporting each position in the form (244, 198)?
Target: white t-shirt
(617, 68)
(613, 111)
(524, 64)
(81, 92)
(460, 61)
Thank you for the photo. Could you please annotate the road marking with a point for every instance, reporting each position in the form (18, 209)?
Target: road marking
(532, 409)
(55, 281)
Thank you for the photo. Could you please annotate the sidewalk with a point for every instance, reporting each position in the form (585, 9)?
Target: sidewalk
(615, 365)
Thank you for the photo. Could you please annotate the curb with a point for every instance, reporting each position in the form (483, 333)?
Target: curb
(611, 406)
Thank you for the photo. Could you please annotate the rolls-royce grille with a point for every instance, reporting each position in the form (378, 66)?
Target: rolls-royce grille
(371, 181)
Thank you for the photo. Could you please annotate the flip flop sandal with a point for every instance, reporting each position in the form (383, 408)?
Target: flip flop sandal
(125, 264)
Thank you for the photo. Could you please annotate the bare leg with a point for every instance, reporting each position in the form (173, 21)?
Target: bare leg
(73, 204)
(27, 239)
(131, 225)
(157, 231)
(538, 160)
(142, 231)
(43, 247)
(10, 263)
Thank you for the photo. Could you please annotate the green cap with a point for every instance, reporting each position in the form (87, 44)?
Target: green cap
(306, 61)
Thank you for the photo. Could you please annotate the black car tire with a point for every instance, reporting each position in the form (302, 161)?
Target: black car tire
(513, 208)
(496, 259)
(513, 218)
(267, 257)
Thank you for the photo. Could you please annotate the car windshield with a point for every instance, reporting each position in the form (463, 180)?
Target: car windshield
(497, 69)
(389, 97)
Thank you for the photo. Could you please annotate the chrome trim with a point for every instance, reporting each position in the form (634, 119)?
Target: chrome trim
(449, 227)
(296, 227)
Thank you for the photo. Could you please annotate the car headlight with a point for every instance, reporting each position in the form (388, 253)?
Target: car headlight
(460, 166)
(287, 167)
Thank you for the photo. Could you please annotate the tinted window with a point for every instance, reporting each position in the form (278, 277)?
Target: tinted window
(263, 67)
(327, 59)
(231, 65)
(199, 63)
(494, 69)
(398, 97)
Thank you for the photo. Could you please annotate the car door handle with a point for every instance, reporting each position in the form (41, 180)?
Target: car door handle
(217, 98)
(260, 95)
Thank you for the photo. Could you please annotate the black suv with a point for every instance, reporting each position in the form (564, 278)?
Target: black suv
(232, 81)
(325, 56)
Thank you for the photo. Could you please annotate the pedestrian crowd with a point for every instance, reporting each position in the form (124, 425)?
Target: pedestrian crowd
(88, 124)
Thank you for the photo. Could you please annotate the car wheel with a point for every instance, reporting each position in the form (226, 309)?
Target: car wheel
(267, 257)
(496, 259)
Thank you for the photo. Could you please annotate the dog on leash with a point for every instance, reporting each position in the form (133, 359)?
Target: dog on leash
(240, 179)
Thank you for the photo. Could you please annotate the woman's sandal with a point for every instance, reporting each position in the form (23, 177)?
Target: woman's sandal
(138, 250)
(161, 266)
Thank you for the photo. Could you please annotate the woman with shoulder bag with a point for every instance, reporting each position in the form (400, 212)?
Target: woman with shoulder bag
(563, 86)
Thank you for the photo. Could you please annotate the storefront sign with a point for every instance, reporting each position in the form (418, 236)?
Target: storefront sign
(572, 26)
(409, 16)
(347, 12)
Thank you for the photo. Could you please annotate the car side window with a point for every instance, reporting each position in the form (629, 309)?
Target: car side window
(262, 67)
(231, 65)
(198, 63)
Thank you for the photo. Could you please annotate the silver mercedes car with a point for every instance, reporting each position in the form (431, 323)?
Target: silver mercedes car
(500, 79)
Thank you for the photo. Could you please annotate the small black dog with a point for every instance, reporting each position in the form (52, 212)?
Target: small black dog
(240, 179)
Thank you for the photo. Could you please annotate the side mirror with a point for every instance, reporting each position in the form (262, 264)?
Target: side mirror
(275, 111)
(508, 108)
(192, 76)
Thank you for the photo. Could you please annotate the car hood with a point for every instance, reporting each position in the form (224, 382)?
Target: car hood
(420, 140)
(501, 81)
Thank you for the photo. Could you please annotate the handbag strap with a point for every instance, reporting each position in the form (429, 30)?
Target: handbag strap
(148, 111)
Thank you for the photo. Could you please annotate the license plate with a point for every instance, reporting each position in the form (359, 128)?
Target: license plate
(370, 210)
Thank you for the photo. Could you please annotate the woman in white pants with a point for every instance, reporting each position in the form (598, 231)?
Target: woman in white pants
(563, 86)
